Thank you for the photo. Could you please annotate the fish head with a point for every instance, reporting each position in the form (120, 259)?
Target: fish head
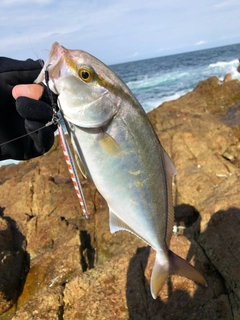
(89, 93)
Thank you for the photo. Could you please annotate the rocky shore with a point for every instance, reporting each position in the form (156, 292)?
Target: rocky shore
(57, 265)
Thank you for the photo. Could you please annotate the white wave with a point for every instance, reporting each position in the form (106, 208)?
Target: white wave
(224, 64)
(153, 104)
(221, 68)
(149, 82)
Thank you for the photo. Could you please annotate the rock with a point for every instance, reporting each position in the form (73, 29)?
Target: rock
(56, 265)
(228, 77)
(133, 272)
(223, 232)
(14, 262)
(232, 118)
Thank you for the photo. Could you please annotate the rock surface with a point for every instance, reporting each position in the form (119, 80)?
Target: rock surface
(56, 265)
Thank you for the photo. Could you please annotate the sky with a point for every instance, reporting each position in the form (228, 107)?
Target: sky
(117, 31)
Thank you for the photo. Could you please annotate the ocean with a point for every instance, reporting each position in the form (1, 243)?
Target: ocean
(154, 81)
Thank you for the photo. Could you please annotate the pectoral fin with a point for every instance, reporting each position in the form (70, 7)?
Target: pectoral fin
(109, 145)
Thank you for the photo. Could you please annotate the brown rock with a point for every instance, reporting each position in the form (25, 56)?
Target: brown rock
(223, 232)
(219, 97)
(133, 272)
(70, 268)
(232, 118)
(228, 77)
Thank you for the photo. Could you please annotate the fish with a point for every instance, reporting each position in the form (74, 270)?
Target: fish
(117, 148)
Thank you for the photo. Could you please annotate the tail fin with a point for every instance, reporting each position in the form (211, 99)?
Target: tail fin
(175, 265)
(160, 274)
(183, 268)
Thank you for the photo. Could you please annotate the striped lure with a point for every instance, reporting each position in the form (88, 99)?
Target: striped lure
(72, 170)
(67, 152)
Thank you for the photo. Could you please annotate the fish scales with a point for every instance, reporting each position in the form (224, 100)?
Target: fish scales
(119, 186)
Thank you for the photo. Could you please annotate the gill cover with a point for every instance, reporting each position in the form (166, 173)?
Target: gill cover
(93, 108)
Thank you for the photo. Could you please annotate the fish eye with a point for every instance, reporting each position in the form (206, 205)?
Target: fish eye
(86, 74)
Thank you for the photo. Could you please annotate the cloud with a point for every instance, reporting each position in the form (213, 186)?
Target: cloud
(114, 30)
(199, 43)
(135, 54)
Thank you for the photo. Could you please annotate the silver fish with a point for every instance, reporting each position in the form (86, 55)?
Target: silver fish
(119, 150)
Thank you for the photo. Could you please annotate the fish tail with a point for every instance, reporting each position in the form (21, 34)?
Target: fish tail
(183, 268)
(173, 264)
(160, 273)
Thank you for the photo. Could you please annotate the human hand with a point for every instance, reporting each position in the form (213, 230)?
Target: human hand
(26, 114)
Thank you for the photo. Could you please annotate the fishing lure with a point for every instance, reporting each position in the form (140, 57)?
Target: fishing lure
(72, 170)
(66, 150)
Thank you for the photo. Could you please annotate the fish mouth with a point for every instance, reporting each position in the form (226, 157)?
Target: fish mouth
(55, 59)
(54, 64)
(57, 51)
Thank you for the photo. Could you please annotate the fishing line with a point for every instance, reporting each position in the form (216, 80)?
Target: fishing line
(29, 134)
(35, 53)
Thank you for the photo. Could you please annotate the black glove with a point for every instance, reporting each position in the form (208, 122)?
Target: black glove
(23, 115)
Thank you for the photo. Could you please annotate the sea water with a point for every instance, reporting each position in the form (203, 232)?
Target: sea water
(154, 81)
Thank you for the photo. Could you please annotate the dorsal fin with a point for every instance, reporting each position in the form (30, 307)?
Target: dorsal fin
(170, 172)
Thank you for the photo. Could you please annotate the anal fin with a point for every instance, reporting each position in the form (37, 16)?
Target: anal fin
(116, 224)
